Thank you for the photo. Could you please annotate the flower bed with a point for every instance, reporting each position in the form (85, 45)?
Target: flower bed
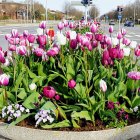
(70, 80)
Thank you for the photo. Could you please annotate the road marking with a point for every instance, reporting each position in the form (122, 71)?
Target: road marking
(131, 33)
(137, 35)
(128, 36)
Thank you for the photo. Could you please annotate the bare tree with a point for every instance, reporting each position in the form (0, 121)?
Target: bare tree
(94, 12)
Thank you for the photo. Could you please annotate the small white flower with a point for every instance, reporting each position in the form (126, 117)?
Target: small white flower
(12, 111)
(17, 106)
(18, 113)
(9, 118)
(51, 119)
(22, 109)
(136, 109)
(44, 120)
(27, 110)
(9, 107)
(36, 116)
(3, 115)
(73, 35)
(103, 85)
(32, 86)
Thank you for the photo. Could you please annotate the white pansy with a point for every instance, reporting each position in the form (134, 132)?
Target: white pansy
(22, 109)
(61, 38)
(9, 118)
(126, 51)
(133, 44)
(18, 113)
(32, 86)
(136, 109)
(73, 35)
(27, 110)
(115, 41)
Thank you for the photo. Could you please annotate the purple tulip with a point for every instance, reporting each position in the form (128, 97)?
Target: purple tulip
(60, 26)
(120, 54)
(53, 51)
(14, 33)
(13, 41)
(68, 34)
(119, 35)
(123, 31)
(95, 44)
(99, 37)
(71, 25)
(2, 59)
(111, 29)
(65, 23)
(89, 35)
(39, 52)
(134, 75)
(93, 28)
(42, 25)
(12, 47)
(71, 84)
(85, 41)
(31, 38)
(49, 92)
(113, 52)
(90, 48)
(78, 37)
(4, 80)
(126, 41)
(21, 50)
(73, 43)
(42, 40)
(108, 41)
(137, 51)
(106, 55)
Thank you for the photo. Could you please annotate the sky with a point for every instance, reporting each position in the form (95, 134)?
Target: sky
(103, 5)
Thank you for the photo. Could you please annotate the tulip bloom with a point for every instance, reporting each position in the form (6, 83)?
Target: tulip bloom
(49, 92)
(12, 47)
(2, 59)
(73, 43)
(123, 31)
(72, 35)
(60, 26)
(99, 37)
(31, 38)
(51, 33)
(14, 33)
(4, 79)
(71, 84)
(71, 25)
(126, 51)
(42, 25)
(113, 52)
(65, 23)
(137, 51)
(120, 54)
(134, 75)
(42, 40)
(111, 29)
(61, 38)
(25, 33)
(57, 97)
(21, 50)
(94, 44)
(39, 52)
(103, 85)
(119, 35)
(93, 28)
(53, 51)
(8, 36)
(89, 35)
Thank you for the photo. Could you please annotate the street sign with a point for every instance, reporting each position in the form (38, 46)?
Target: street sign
(119, 17)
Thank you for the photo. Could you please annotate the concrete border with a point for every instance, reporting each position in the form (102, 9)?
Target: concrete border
(22, 133)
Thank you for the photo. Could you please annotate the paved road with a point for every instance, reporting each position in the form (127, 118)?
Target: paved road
(133, 33)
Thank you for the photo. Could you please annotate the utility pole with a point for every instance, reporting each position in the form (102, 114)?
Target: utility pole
(46, 11)
(134, 13)
(33, 10)
(27, 10)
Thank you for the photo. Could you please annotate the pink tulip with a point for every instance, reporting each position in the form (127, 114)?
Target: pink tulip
(126, 41)
(4, 80)
(79, 37)
(111, 29)
(123, 31)
(108, 40)
(113, 53)
(119, 35)
(71, 84)
(137, 51)
(93, 28)
(103, 85)
(21, 50)
(89, 35)
(90, 48)
(39, 52)
(71, 25)
(25, 33)
(14, 33)
(95, 44)
(99, 37)
(73, 43)
(23, 42)
(13, 41)
(53, 51)
(134, 75)
(68, 34)
(12, 47)
(120, 54)
(106, 55)
(2, 59)
(65, 23)
(31, 38)
(8, 36)
(42, 40)
(60, 26)
(85, 41)
(42, 25)
(57, 97)
(49, 92)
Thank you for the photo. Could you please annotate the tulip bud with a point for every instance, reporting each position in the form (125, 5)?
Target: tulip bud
(53, 51)
(71, 25)
(113, 52)
(137, 51)
(8, 36)
(111, 29)
(93, 28)
(73, 43)
(71, 84)
(94, 44)
(120, 54)
(134, 75)
(119, 35)
(4, 79)
(99, 37)
(108, 41)
(2, 59)
(57, 97)
(39, 52)
(31, 38)
(49, 92)
(14, 33)
(32, 86)
(103, 85)
(12, 47)
(89, 35)
(42, 25)
(21, 50)
(60, 26)
(65, 23)
(123, 31)
(25, 33)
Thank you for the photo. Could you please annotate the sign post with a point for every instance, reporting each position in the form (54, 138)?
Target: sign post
(119, 10)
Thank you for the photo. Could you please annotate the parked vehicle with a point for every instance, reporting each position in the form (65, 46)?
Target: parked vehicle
(129, 24)
(111, 22)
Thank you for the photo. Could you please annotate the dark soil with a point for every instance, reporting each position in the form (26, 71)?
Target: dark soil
(84, 126)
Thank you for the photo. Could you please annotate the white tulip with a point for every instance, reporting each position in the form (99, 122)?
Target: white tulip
(136, 109)
(133, 44)
(61, 38)
(7, 63)
(40, 31)
(126, 51)
(73, 35)
(103, 85)
(32, 86)
(115, 41)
